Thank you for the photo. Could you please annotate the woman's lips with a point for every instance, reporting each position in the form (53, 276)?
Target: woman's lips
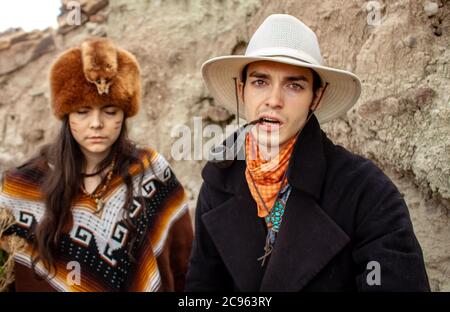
(97, 139)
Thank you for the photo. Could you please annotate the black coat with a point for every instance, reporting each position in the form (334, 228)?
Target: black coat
(343, 212)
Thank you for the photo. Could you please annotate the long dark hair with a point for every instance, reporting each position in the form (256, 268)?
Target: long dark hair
(62, 184)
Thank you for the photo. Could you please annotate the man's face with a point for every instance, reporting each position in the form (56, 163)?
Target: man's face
(281, 93)
(96, 128)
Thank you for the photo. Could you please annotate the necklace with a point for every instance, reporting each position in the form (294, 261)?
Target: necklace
(100, 191)
(274, 217)
(88, 175)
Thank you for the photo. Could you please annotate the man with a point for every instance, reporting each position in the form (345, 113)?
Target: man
(315, 217)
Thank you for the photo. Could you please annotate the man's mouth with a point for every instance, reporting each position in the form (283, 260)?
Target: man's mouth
(269, 120)
(269, 123)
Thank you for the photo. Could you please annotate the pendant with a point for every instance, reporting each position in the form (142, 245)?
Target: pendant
(270, 239)
(100, 204)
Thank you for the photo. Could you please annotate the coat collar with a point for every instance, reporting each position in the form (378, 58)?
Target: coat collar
(308, 238)
(306, 169)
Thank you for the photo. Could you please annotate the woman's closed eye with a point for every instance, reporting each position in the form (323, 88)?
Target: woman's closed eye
(111, 112)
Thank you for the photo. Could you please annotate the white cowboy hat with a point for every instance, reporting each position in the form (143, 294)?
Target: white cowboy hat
(285, 39)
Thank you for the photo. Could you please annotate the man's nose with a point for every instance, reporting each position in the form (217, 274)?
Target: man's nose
(275, 99)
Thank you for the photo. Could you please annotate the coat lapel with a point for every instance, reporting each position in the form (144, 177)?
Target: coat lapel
(307, 241)
(239, 236)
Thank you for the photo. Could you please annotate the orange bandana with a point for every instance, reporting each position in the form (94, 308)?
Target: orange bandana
(267, 174)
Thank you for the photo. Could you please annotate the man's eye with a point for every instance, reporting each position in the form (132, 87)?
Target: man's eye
(296, 86)
(82, 112)
(112, 113)
(258, 82)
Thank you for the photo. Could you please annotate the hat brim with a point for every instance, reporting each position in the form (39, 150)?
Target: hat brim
(342, 92)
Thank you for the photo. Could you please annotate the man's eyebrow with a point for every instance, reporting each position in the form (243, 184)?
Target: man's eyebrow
(259, 75)
(108, 106)
(297, 78)
(288, 78)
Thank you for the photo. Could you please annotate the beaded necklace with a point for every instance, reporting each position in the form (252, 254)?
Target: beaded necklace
(100, 191)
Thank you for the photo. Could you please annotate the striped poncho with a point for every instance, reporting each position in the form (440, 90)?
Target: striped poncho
(93, 250)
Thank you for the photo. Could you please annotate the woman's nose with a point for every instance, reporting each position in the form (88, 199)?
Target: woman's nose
(96, 121)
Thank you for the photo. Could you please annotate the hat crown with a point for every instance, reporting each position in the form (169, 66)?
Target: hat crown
(96, 73)
(285, 35)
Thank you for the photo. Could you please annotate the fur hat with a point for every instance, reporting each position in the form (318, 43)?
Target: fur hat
(96, 73)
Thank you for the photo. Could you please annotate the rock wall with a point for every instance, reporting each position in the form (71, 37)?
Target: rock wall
(400, 50)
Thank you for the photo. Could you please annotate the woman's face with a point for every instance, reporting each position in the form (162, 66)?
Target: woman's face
(96, 128)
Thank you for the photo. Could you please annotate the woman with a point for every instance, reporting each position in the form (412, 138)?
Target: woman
(96, 212)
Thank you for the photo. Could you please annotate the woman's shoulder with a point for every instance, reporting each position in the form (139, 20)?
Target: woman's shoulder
(149, 156)
(32, 171)
(23, 182)
(154, 162)
(157, 168)
(146, 153)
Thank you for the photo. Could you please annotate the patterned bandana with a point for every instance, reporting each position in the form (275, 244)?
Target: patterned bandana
(267, 174)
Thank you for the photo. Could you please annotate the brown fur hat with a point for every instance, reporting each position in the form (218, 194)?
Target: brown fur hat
(96, 73)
